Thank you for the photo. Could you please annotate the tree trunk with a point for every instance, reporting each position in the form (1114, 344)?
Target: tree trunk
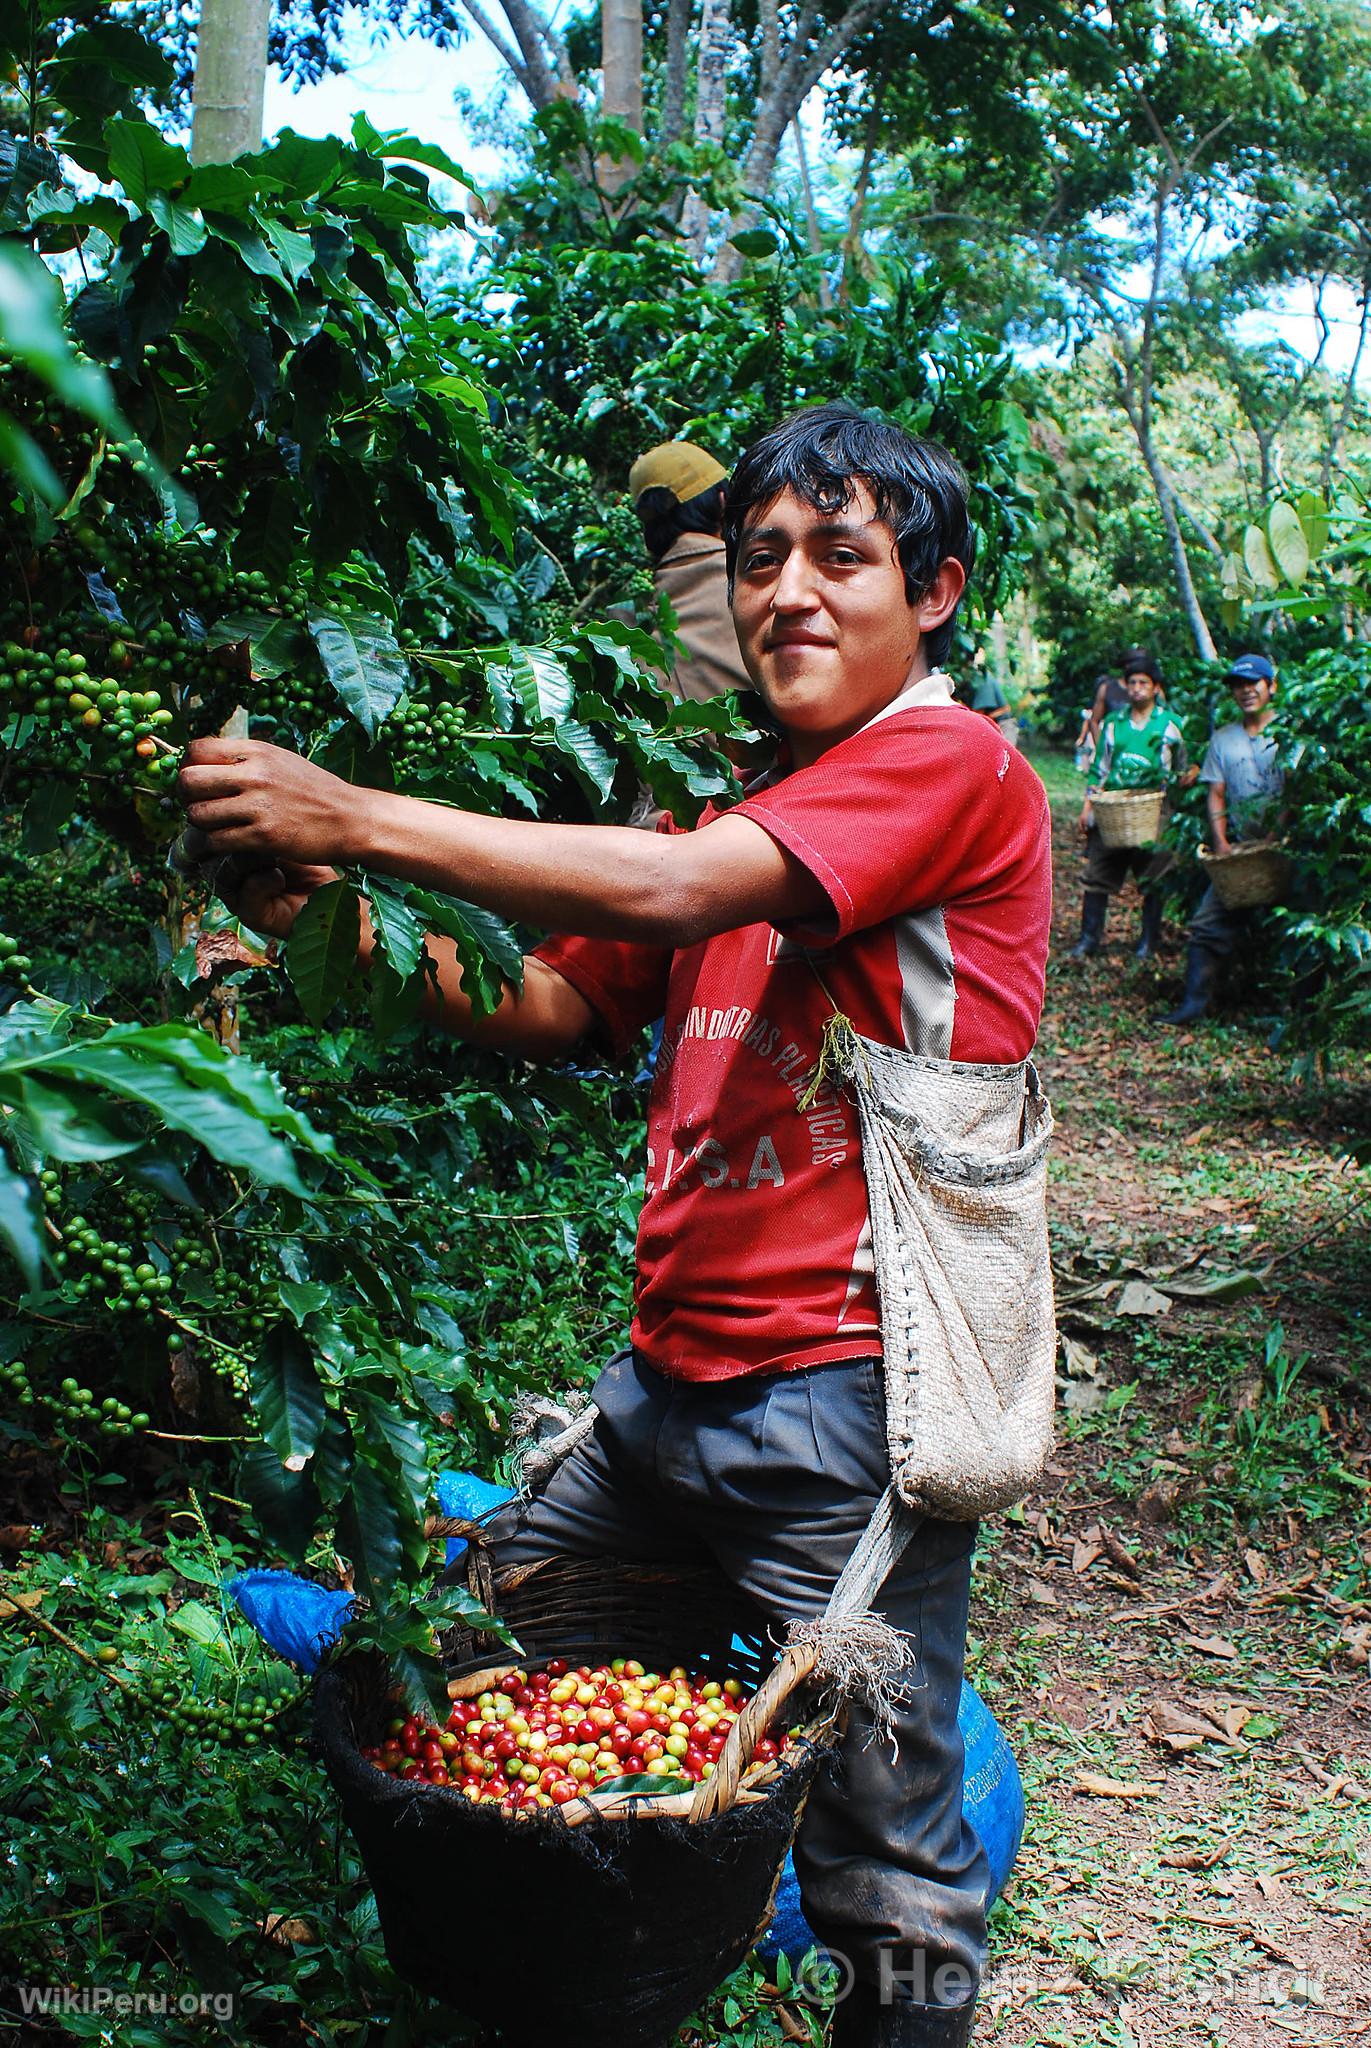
(674, 87)
(711, 89)
(787, 80)
(852, 240)
(230, 79)
(1185, 581)
(812, 228)
(621, 56)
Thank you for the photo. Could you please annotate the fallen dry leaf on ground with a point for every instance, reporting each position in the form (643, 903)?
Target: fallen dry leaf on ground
(1110, 1788)
(1194, 1859)
(1138, 1299)
(1179, 1730)
(1211, 1646)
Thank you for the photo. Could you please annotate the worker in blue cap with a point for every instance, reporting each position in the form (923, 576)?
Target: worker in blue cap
(1245, 777)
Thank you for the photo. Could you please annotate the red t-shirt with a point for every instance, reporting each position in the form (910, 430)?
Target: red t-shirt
(931, 839)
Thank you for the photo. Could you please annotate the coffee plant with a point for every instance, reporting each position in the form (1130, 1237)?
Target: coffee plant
(1303, 572)
(271, 1255)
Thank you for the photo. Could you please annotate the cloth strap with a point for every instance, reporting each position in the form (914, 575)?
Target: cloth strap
(879, 1549)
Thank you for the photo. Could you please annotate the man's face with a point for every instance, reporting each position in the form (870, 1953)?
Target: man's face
(1141, 688)
(1252, 697)
(826, 630)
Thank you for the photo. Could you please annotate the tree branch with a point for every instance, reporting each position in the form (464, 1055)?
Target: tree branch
(504, 50)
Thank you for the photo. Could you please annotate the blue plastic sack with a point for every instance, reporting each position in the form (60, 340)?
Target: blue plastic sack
(293, 1616)
(299, 1620)
(463, 1496)
(992, 1798)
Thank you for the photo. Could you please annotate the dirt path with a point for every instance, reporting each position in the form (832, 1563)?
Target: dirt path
(1175, 1633)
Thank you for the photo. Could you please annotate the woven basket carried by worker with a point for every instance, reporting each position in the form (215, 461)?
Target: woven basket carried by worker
(1128, 817)
(1251, 876)
(636, 1905)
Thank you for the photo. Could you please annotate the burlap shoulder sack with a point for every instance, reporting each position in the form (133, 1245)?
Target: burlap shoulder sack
(956, 1174)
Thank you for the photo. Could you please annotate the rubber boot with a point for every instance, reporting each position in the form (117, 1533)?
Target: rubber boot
(1094, 910)
(1201, 980)
(861, 2021)
(1150, 938)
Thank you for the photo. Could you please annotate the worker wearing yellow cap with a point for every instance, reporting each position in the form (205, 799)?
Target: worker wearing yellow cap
(678, 494)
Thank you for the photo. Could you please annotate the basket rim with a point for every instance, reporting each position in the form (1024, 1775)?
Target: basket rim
(1246, 850)
(758, 1782)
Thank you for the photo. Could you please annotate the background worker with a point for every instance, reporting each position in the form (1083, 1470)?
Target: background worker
(1244, 775)
(904, 847)
(1141, 747)
(989, 699)
(678, 495)
(1110, 695)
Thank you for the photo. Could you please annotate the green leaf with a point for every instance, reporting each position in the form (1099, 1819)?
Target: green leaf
(31, 328)
(1257, 556)
(398, 930)
(363, 661)
(71, 1122)
(47, 811)
(1288, 544)
(196, 1055)
(487, 949)
(302, 1298)
(1313, 517)
(142, 160)
(184, 226)
(208, 1908)
(1214, 1286)
(287, 1396)
(755, 242)
(322, 949)
(277, 645)
(21, 1223)
(192, 1087)
(541, 682)
(294, 251)
(392, 143)
(370, 1531)
(203, 1626)
(382, 1424)
(26, 462)
(119, 50)
(25, 167)
(285, 1503)
(394, 999)
(596, 764)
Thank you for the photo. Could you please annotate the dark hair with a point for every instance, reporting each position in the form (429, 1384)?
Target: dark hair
(1138, 661)
(821, 452)
(664, 518)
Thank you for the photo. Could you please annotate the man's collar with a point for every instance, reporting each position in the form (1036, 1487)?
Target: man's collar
(934, 688)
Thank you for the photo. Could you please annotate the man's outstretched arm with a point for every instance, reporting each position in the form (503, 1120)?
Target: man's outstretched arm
(596, 881)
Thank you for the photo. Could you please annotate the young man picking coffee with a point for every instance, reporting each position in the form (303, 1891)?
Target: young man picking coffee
(895, 863)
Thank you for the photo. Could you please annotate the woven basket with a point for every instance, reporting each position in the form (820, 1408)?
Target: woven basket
(636, 1906)
(1128, 817)
(1250, 876)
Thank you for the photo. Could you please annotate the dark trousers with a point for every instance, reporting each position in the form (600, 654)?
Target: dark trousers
(774, 1478)
(1107, 868)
